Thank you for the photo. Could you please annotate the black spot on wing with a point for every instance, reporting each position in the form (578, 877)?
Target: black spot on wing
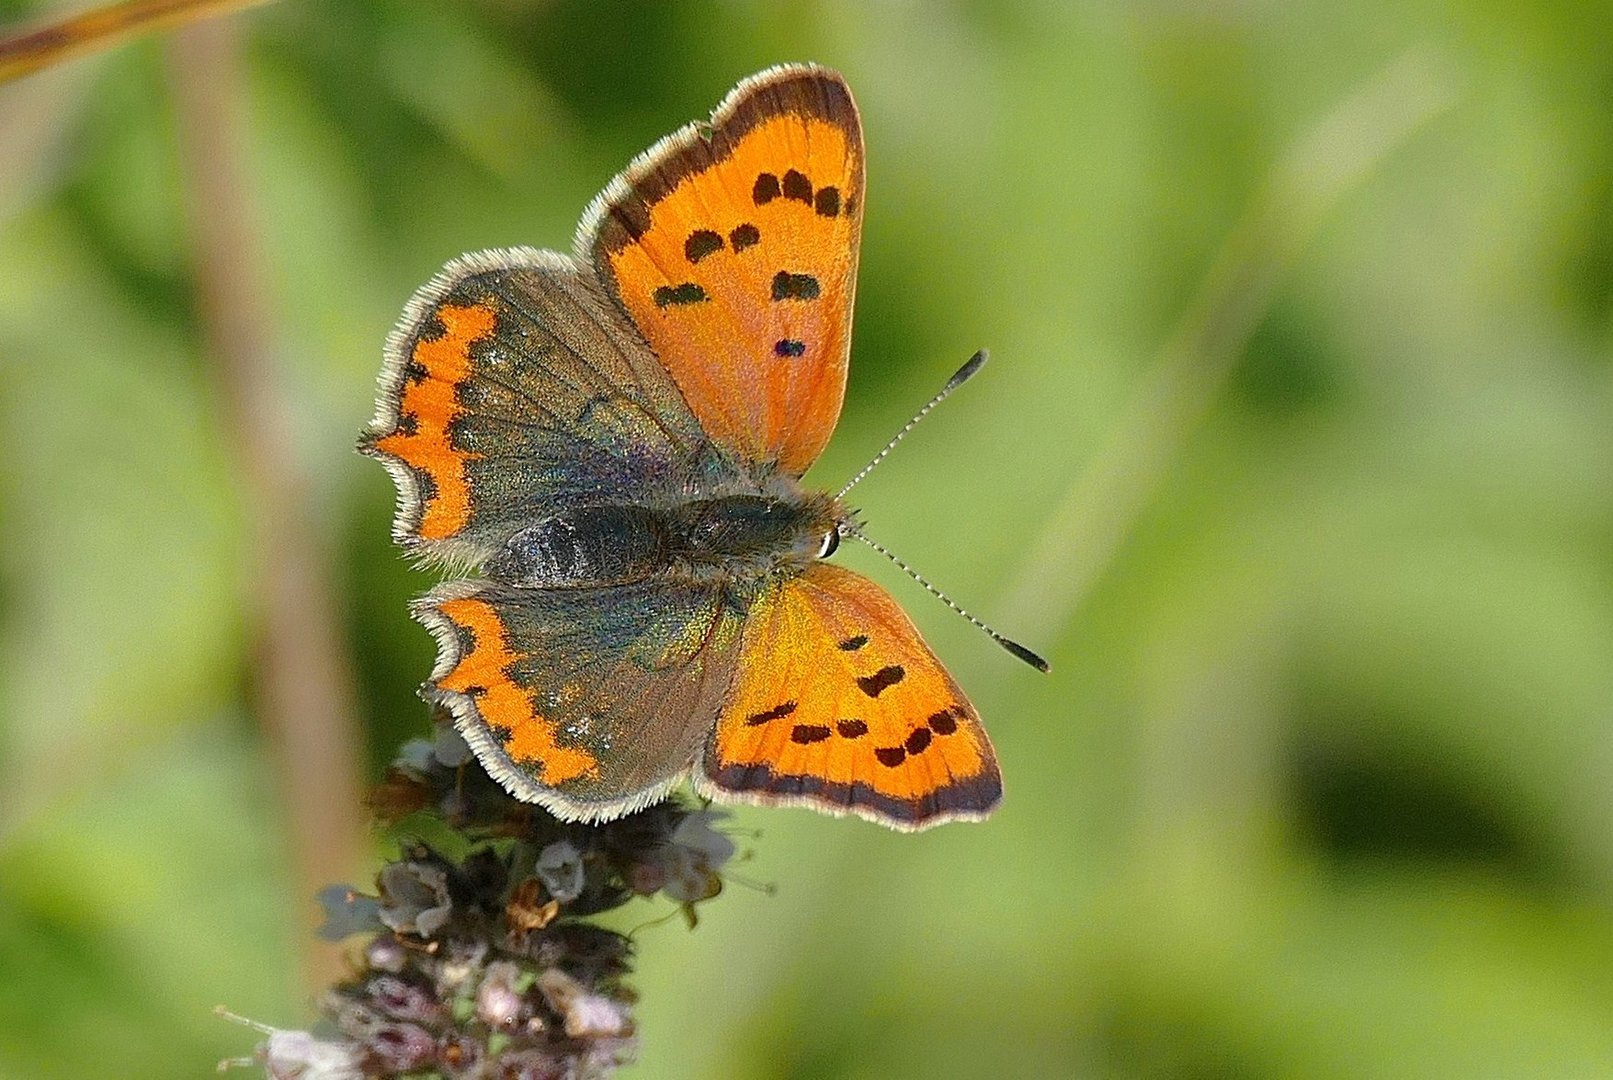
(788, 286)
(827, 201)
(431, 328)
(808, 733)
(943, 722)
(917, 741)
(851, 729)
(788, 347)
(701, 242)
(766, 189)
(875, 684)
(775, 713)
(428, 485)
(687, 293)
(852, 644)
(890, 756)
(798, 187)
(744, 236)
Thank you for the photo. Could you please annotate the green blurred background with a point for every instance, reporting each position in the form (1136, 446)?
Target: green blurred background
(1293, 458)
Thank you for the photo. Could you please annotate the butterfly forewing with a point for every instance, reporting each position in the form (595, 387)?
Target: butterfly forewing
(514, 386)
(733, 246)
(838, 704)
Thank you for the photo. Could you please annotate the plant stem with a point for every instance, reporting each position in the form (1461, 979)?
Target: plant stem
(101, 28)
(303, 678)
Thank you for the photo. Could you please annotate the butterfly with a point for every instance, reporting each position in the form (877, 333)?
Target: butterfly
(613, 442)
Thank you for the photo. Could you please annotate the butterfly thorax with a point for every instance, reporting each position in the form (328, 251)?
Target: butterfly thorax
(745, 535)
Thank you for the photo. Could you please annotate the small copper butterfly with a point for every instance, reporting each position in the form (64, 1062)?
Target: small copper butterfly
(613, 440)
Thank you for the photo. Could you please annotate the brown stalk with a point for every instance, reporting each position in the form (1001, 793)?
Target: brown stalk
(304, 682)
(101, 28)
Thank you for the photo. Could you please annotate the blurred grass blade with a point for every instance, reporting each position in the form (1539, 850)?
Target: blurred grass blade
(1333, 158)
(102, 28)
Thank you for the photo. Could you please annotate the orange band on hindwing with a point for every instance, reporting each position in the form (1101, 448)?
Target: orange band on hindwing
(427, 406)
(482, 674)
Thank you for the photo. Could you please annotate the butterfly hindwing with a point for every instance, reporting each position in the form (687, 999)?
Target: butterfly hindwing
(733, 247)
(590, 701)
(838, 704)
(515, 385)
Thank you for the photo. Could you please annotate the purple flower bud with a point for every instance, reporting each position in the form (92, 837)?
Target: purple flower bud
(646, 878)
(534, 1065)
(297, 1055)
(403, 1000)
(498, 1003)
(386, 953)
(586, 1015)
(402, 1047)
(354, 1018)
(460, 1054)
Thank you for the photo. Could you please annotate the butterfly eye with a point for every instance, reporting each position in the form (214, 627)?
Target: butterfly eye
(831, 540)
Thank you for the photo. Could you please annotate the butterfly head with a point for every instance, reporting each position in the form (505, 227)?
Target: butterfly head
(830, 521)
(820, 522)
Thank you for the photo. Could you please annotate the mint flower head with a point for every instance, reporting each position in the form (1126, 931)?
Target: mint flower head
(482, 965)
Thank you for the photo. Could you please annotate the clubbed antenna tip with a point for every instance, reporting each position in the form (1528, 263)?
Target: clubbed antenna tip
(1023, 653)
(966, 372)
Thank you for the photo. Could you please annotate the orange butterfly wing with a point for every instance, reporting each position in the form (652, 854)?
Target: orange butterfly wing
(733, 247)
(838, 704)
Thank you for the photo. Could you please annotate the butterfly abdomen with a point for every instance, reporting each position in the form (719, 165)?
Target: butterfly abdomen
(591, 545)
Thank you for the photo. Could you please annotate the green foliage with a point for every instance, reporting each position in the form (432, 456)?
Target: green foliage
(1319, 784)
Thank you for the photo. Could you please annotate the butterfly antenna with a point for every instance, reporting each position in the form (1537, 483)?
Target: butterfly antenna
(1008, 643)
(963, 375)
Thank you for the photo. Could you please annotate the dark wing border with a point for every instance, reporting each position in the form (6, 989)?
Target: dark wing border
(621, 213)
